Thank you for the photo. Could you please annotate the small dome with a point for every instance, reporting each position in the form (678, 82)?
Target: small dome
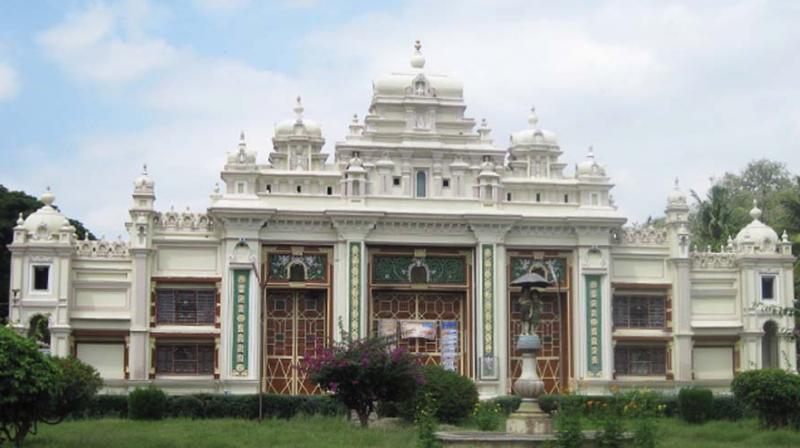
(417, 59)
(590, 167)
(46, 221)
(298, 126)
(242, 155)
(355, 166)
(534, 135)
(757, 233)
(143, 182)
(676, 196)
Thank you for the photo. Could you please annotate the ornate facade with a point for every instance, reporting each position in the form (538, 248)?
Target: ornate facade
(414, 231)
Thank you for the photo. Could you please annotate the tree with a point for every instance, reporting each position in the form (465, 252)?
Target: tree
(12, 203)
(27, 386)
(716, 218)
(360, 373)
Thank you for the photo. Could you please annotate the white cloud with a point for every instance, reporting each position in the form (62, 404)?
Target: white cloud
(660, 90)
(106, 44)
(9, 84)
(220, 6)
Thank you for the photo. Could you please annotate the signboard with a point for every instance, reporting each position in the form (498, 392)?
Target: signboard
(418, 329)
(449, 344)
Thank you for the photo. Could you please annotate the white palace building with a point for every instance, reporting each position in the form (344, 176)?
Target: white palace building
(415, 231)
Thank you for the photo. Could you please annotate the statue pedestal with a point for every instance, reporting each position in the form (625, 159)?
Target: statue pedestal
(529, 418)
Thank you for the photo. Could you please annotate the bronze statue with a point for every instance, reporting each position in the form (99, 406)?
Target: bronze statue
(530, 304)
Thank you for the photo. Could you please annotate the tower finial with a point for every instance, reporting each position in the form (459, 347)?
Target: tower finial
(417, 59)
(48, 197)
(144, 168)
(590, 153)
(298, 109)
(677, 184)
(533, 120)
(755, 213)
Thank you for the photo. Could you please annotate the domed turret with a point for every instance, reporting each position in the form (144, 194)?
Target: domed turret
(299, 125)
(534, 135)
(589, 167)
(242, 156)
(47, 222)
(143, 183)
(756, 236)
(676, 196)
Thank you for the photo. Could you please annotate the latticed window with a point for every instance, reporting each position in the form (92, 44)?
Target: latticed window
(640, 361)
(185, 306)
(639, 311)
(185, 358)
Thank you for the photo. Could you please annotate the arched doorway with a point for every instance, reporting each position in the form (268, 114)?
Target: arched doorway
(769, 346)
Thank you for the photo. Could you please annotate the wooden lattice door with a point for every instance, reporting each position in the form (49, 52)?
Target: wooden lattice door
(296, 321)
(436, 307)
(550, 358)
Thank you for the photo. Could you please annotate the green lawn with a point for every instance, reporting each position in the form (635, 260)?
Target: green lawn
(299, 432)
(335, 432)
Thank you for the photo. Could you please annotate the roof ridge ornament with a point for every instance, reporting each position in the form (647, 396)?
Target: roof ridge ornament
(48, 197)
(417, 59)
(755, 212)
(298, 109)
(533, 119)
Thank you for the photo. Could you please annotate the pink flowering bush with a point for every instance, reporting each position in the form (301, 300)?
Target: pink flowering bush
(360, 373)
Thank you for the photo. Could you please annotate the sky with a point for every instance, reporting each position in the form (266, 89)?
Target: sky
(89, 91)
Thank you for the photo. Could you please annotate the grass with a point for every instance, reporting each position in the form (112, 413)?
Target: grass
(335, 432)
(298, 432)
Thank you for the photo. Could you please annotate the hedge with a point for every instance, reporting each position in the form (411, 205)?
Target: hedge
(199, 406)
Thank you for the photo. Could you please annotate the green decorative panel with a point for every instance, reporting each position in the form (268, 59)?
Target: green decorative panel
(355, 266)
(396, 269)
(553, 268)
(241, 295)
(487, 297)
(315, 266)
(594, 319)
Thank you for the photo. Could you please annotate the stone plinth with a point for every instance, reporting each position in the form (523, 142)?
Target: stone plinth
(529, 419)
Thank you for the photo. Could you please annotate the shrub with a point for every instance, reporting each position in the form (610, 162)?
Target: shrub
(549, 403)
(147, 404)
(507, 403)
(773, 393)
(363, 372)
(426, 423)
(27, 386)
(486, 416)
(695, 404)
(568, 422)
(101, 406)
(644, 407)
(454, 395)
(77, 384)
(726, 407)
(188, 406)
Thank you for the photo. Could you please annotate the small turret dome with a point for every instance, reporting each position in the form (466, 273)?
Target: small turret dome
(299, 125)
(534, 135)
(589, 167)
(676, 196)
(757, 233)
(47, 221)
(143, 182)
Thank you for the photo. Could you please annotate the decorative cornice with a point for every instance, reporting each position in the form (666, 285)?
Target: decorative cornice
(643, 234)
(102, 249)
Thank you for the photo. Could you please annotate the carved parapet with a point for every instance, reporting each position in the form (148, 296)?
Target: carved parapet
(642, 234)
(102, 249)
(712, 260)
(183, 221)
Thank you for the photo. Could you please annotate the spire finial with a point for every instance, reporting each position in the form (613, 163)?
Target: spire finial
(298, 109)
(755, 213)
(48, 198)
(355, 118)
(677, 184)
(21, 221)
(533, 120)
(417, 59)
(784, 237)
(144, 168)
(241, 137)
(590, 153)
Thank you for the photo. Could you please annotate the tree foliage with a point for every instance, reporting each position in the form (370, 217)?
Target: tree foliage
(27, 385)
(360, 373)
(12, 203)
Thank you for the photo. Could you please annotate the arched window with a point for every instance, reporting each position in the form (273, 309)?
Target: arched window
(769, 346)
(419, 274)
(297, 273)
(422, 184)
